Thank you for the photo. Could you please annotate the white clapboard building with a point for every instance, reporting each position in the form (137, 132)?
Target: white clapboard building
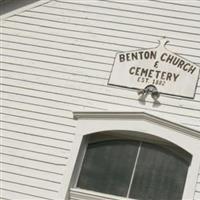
(100, 100)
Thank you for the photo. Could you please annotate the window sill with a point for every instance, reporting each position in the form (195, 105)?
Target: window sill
(81, 194)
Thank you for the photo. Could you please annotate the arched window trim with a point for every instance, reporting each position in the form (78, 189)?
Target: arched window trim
(92, 122)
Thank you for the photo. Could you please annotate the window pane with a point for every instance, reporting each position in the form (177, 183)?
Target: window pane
(160, 174)
(108, 166)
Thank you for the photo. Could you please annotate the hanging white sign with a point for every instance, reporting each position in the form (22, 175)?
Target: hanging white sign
(170, 73)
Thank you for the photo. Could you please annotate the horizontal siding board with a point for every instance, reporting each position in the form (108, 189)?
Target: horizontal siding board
(91, 24)
(10, 193)
(141, 14)
(11, 124)
(169, 117)
(193, 57)
(56, 52)
(32, 143)
(57, 47)
(35, 41)
(89, 36)
(7, 146)
(25, 161)
(29, 181)
(182, 118)
(40, 103)
(32, 174)
(193, 126)
(83, 15)
(125, 7)
(158, 5)
(36, 115)
(57, 60)
(21, 121)
(59, 74)
(51, 74)
(29, 190)
(13, 70)
(96, 15)
(25, 72)
(56, 104)
(192, 4)
(55, 68)
(82, 103)
(17, 164)
(52, 71)
(41, 110)
(36, 157)
(81, 40)
(94, 34)
(102, 41)
(41, 134)
(105, 99)
(37, 122)
(78, 91)
(88, 50)
(52, 14)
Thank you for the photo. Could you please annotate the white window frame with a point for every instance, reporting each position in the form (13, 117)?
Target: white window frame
(93, 122)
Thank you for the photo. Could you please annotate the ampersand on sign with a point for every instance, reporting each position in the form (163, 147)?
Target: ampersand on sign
(156, 64)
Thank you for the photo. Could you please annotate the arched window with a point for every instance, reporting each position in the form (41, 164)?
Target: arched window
(131, 155)
(135, 169)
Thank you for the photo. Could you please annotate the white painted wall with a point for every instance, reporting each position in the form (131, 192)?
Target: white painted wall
(57, 58)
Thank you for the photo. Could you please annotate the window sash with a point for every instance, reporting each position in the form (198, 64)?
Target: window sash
(134, 171)
(111, 149)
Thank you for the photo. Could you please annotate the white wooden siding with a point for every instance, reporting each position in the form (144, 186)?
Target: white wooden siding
(57, 58)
